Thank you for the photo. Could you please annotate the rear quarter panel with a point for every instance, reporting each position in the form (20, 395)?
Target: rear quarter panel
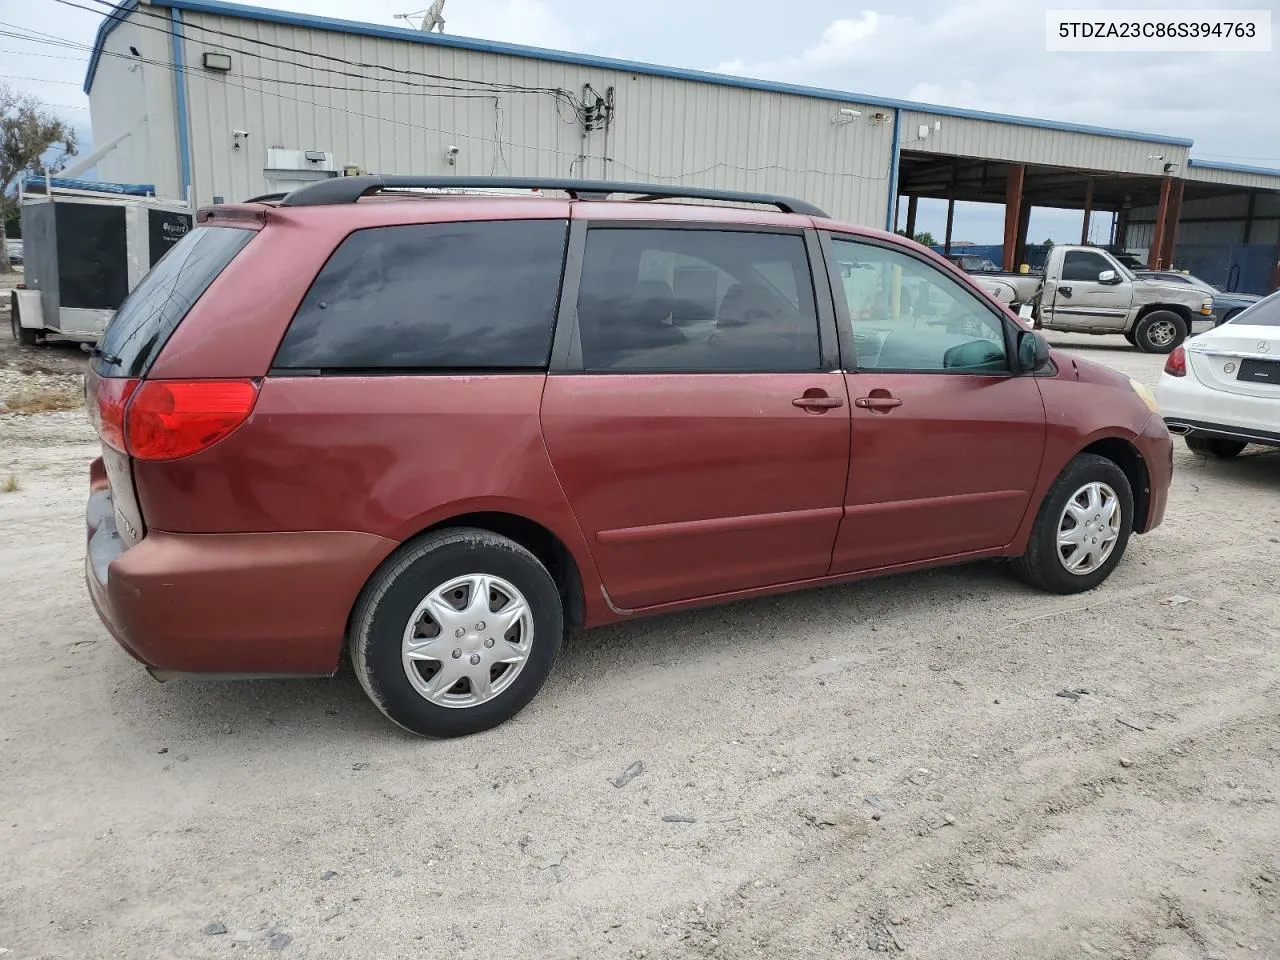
(387, 455)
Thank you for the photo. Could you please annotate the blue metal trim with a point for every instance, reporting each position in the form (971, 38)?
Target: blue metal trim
(1233, 168)
(243, 11)
(895, 153)
(112, 20)
(180, 94)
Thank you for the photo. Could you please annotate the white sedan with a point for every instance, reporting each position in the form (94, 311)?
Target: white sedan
(1221, 390)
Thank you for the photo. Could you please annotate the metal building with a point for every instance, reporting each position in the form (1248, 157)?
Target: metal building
(229, 101)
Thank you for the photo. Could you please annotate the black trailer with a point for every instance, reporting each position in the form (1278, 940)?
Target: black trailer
(86, 245)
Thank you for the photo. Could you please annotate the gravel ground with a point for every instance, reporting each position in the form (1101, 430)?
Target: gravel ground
(887, 767)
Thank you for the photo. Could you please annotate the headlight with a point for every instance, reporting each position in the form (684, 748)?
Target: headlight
(1207, 307)
(1143, 391)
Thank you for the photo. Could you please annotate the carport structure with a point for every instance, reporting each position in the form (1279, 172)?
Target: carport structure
(1021, 186)
(1040, 164)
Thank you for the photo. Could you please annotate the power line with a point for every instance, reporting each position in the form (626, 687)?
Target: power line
(5, 76)
(560, 94)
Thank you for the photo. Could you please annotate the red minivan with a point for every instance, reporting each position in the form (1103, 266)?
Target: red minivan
(448, 430)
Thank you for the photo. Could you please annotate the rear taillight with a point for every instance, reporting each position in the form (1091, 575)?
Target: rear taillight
(168, 419)
(1176, 365)
(106, 409)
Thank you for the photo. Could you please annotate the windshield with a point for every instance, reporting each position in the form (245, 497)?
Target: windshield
(1264, 313)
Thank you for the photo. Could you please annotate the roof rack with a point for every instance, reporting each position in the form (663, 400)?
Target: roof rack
(268, 197)
(339, 190)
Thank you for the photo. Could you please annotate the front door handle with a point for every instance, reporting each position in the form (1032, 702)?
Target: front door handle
(878, 403)
(817, 403)
(1065, 291)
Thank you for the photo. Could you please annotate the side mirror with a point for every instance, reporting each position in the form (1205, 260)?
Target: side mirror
(1033, 351)
(1108, 276)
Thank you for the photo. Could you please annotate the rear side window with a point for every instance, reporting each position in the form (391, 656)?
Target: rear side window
(696, 301)
(437, 296)
(157, 305)
(1264, 313)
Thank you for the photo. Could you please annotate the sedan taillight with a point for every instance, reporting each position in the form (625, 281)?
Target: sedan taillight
(1176, 365)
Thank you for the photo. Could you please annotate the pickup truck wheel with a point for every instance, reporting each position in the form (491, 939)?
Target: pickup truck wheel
(456, 632)
(1224, 448)
(1081, 529)
(1159, 332)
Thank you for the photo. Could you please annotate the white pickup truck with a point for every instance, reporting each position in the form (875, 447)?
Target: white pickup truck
(1086, 290)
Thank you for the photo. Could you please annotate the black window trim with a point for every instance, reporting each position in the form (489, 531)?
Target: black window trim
(566, 356)
(392, 371)
(844, 326)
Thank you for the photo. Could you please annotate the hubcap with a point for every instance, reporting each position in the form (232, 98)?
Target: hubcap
(467, 641)
(1162, 333)
(1088, 528)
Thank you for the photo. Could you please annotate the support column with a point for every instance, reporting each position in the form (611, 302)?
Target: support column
(1248, 216)
(951, 219)
(1088, 210)
(1158, 228)
(912, 203)
(1122, 228)
(1013, 213)
(1020, 248)
(1171, 225)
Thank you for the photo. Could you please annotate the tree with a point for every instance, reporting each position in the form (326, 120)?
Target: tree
(925, 237)
(28, 132)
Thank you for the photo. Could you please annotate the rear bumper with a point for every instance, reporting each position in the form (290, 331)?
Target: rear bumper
(1189, 405)
(1185, 427)
(249, 604)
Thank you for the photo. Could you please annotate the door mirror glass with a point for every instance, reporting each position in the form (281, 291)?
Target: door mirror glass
(1108, 276)
(1033, 351)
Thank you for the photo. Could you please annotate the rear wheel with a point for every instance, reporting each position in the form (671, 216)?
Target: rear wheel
(1159, 332)
(23, 335)
(1223, 448)
(1082, 528)
(456, 632)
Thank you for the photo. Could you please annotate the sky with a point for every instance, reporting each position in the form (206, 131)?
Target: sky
(979, 54)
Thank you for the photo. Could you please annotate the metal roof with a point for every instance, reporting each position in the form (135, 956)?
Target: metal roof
(1233, 167)
(245, 12)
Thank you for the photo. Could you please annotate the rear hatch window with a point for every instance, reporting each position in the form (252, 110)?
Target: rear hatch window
(132, 342)
(157, 305)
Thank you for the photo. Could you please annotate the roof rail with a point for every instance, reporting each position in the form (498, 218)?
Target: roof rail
(339, 190)
(268, 197)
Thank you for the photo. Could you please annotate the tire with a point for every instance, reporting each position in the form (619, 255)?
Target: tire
(398, 591)
(1224, 448)
(1043, 565)
(1231, 315)
(24, 335)
(1159, 332)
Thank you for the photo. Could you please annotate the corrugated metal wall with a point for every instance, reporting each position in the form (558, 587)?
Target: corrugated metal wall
(986, 139)
(1235, 178)
(124, 91)
(1266, 221)
(663, 130)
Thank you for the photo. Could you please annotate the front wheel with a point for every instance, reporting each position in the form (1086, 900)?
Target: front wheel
(456, 632)
(1223, 448)
(1159, 332)
(1082, 528)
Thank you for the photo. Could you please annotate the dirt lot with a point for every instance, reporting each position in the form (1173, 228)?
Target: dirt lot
(885, 767)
